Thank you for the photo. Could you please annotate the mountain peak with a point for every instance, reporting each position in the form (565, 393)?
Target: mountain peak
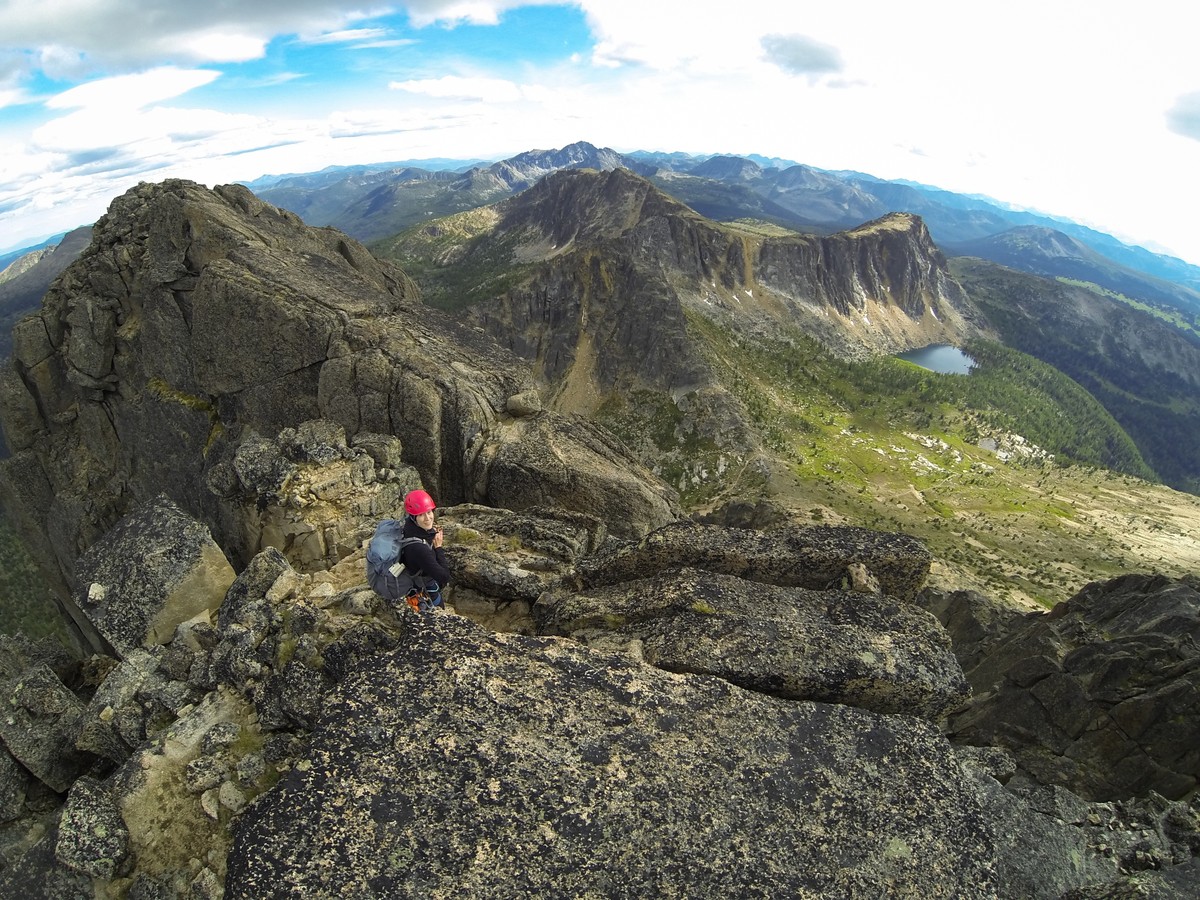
(1047, 242)
(727, 168)
(575, 203)
(893, 221)
(524, 169)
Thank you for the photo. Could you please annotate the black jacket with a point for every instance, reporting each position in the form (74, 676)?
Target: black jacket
(423, 559)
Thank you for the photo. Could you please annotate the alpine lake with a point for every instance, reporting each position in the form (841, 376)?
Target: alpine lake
(941, 358)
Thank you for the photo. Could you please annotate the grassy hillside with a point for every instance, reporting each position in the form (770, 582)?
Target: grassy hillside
(885, 444)
(1185, 321)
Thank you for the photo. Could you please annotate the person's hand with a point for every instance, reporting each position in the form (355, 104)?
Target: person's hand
(437, 537)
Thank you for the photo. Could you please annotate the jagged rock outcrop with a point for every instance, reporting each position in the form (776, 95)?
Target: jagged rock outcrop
(1057, 845)
(40, 716)
(754, 607)
(509, 556)
(132, 598)
(1101, 694)
(201, 323)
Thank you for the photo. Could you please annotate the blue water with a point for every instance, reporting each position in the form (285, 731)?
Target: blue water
(940, 358)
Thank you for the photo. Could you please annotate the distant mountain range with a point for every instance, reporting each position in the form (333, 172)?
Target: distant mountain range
(25, 278)
(373, 203)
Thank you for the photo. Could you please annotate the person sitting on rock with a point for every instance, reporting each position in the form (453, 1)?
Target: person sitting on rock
(426, 560)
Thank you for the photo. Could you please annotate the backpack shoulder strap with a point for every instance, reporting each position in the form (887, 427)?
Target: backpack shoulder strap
(405, 543)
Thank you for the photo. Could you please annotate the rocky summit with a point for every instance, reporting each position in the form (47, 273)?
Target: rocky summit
(210, 412)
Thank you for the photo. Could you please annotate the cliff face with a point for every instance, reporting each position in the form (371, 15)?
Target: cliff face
(608, 283)
(613, 268)
(878, 288)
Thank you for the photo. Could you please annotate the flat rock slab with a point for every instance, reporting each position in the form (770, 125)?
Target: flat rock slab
(465, 764)
(817, 557)
(863, 650)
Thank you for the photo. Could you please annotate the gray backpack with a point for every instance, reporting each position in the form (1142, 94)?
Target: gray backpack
(386, 572)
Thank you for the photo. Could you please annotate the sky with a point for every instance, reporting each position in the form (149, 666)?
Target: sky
(1085, 110)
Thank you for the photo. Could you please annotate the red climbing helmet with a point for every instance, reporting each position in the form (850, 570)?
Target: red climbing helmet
(417, 502)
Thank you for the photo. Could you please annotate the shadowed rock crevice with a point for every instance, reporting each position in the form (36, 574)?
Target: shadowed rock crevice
(1100, 694)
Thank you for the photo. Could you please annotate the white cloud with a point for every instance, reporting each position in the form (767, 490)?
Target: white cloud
(154, 132)
(801, 55)
(669, 35)
(218, 45)
(489, 90)
(346, 36)
(473, 12)
(133, 91)
(381, 44)
(10, 96)
(131, 34)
